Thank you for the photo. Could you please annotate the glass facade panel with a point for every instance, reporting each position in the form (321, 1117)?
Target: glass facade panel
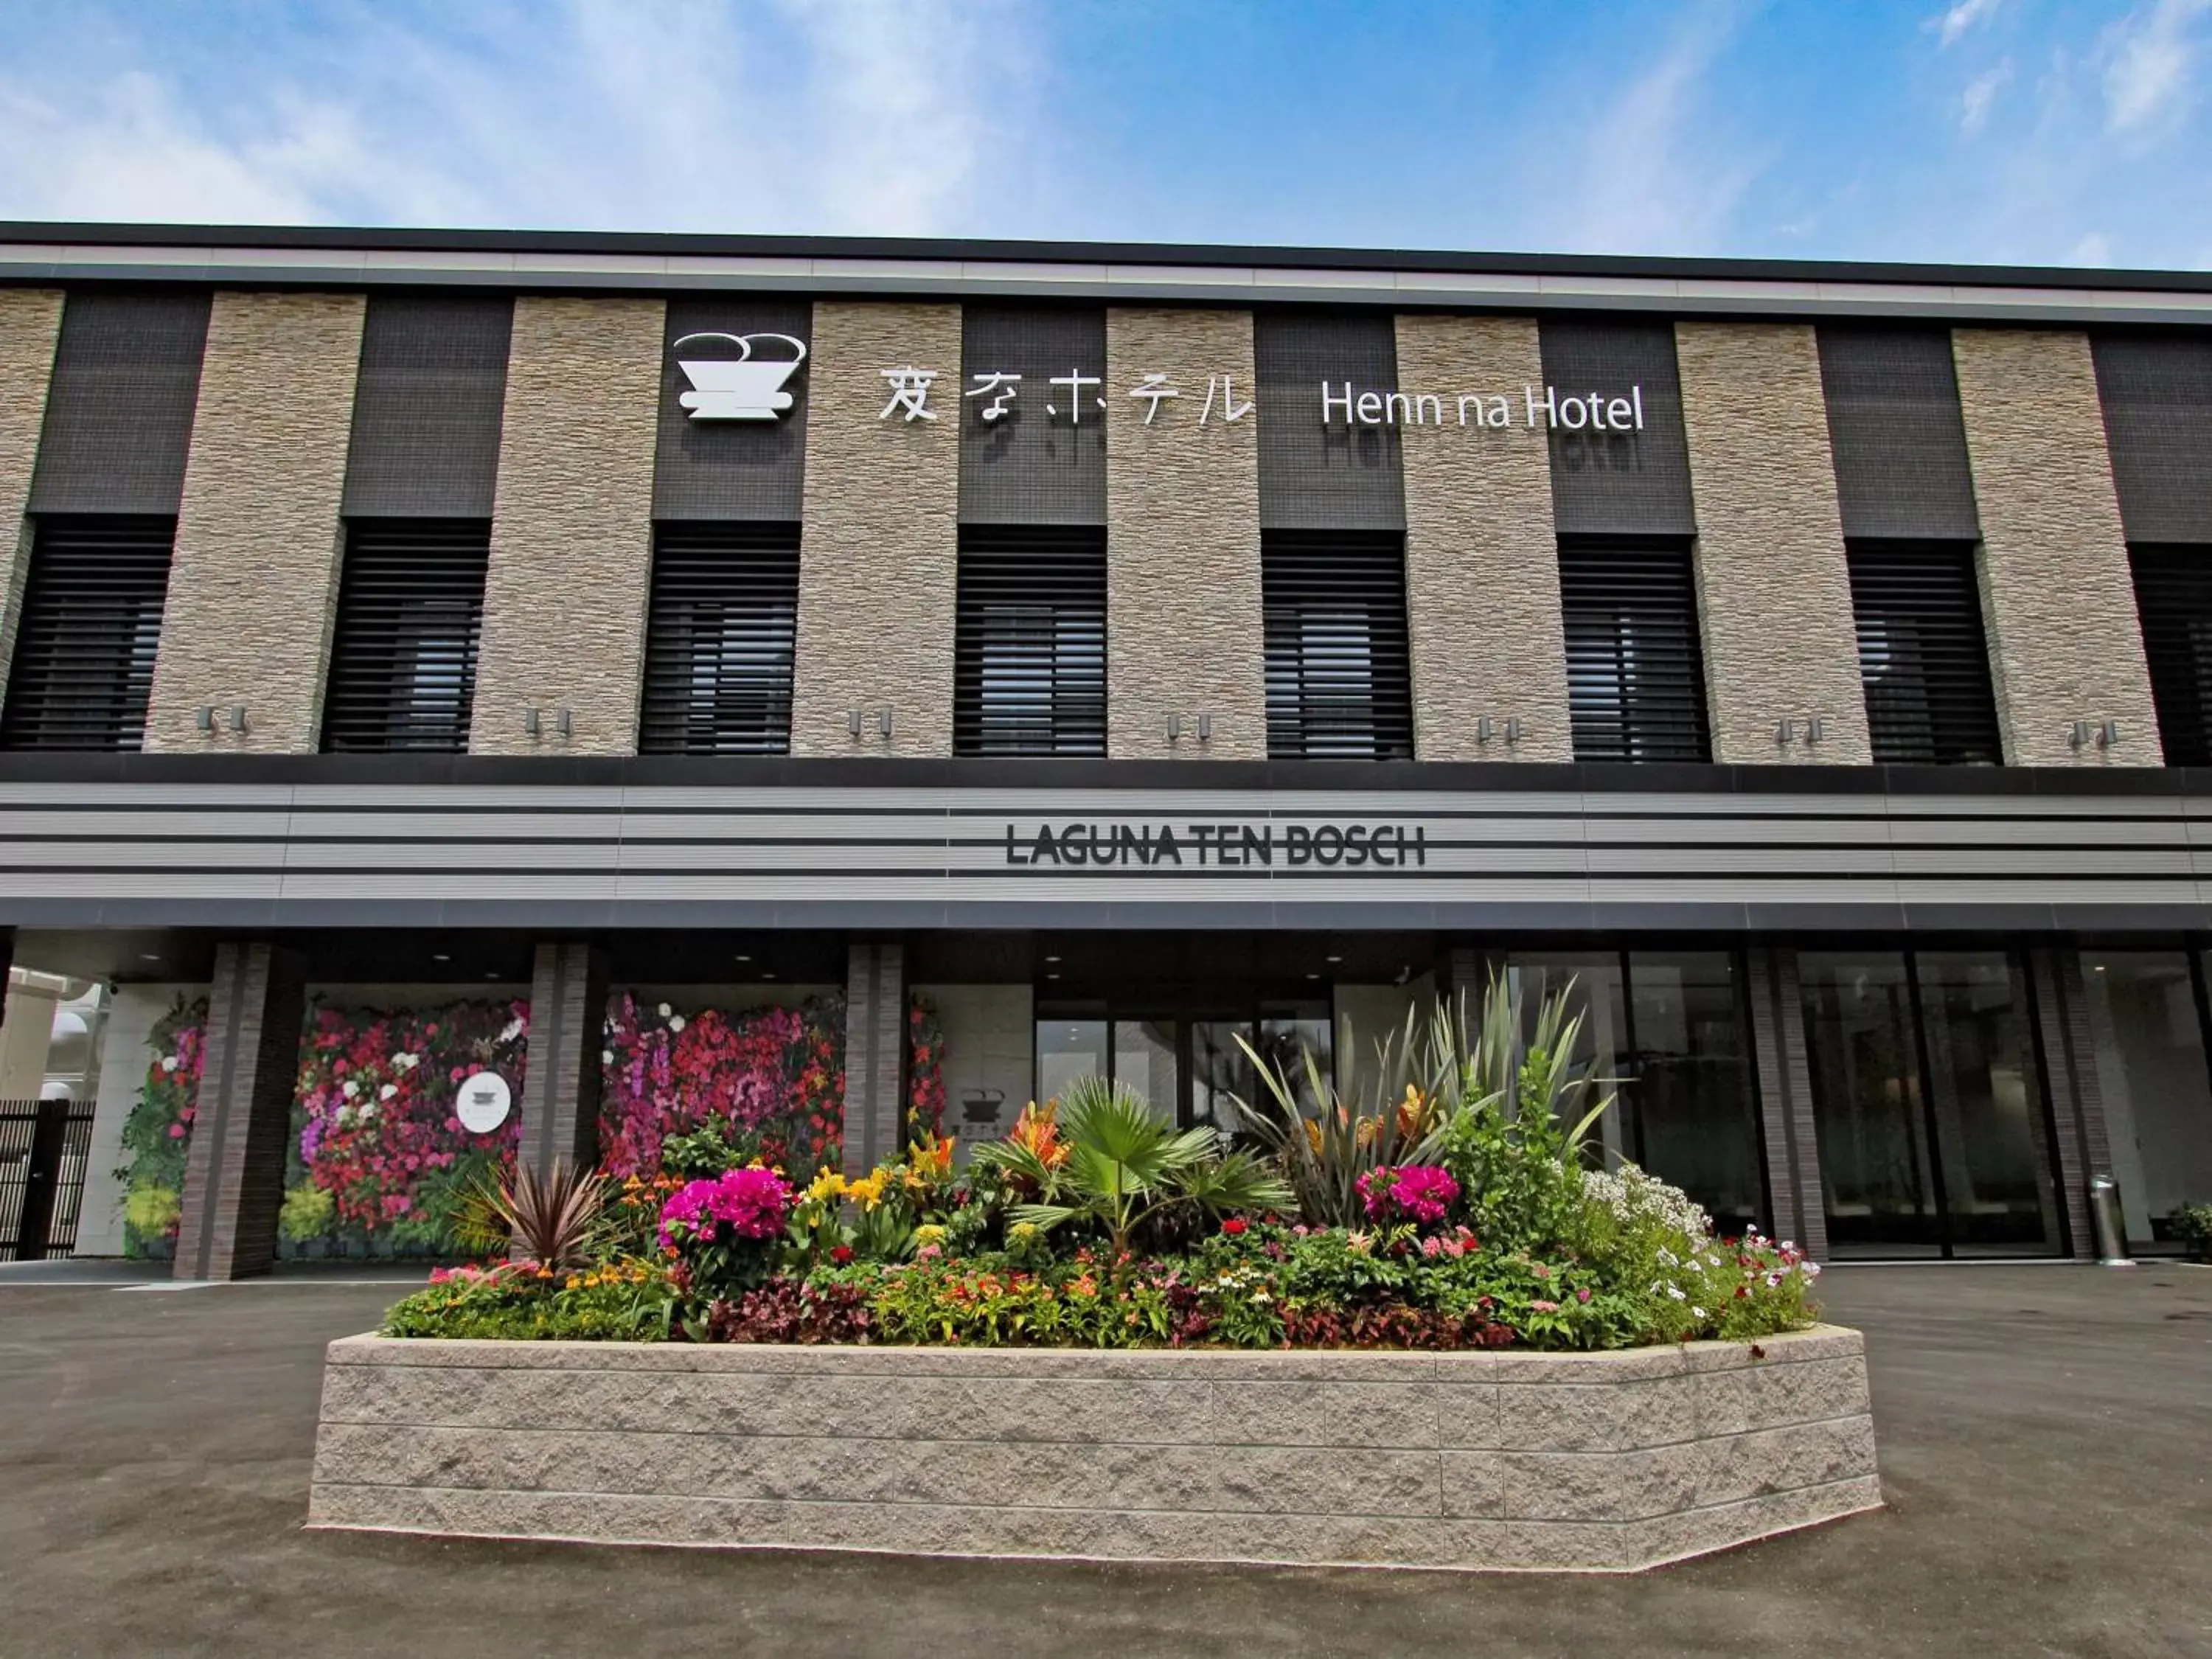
(1689, 1103)
(2149, 1045)
(1067, 1050)
(1879, 1190)
(1218, 1070)
(1596, 977)
(1145, 1059)
(1934, 1131)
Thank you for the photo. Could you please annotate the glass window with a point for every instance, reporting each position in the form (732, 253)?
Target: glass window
(1602, 1040)
(1066, 1049)
(1218, 1070)
(1992, 1139)
(1689, 1105)
(2149, 1045)
(1144, 1061)
(1880, 1196)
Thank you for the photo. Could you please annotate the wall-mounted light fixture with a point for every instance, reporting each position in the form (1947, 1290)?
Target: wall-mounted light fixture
(564, 724)
(2108, 734)
(884, 723)
(238, 717)
(1175, 728)
(1487, 727)
(1206, 728)
(205, 719)
(531, 727)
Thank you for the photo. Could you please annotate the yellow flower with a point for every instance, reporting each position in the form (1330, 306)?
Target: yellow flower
(829, 1184)
(868, 1190)
(929, 1235)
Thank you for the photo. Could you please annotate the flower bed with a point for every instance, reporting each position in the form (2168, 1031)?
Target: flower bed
(1479, 1459)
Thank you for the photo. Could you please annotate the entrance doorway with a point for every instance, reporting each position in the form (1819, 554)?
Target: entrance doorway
(1932, 1119)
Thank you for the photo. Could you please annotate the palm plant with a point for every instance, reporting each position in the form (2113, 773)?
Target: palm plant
(1125, 1170)
(559, 1221)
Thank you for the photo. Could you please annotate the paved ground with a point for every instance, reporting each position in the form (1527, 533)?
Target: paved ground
(2047, 1448)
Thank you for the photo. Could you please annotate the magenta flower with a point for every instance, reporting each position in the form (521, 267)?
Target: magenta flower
(1419, 1193)
(752, 1203)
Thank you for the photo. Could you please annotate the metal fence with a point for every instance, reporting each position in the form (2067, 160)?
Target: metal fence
(43, 1145)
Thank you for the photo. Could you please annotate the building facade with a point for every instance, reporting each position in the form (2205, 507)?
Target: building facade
(1126, 649)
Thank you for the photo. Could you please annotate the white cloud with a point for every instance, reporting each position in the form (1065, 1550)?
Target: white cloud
(807, 115)
(2149, 61)
(1653, 181)
(1961, 17)
(2093, 249)
(1980, 97)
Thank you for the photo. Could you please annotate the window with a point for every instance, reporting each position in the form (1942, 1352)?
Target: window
(2148, 1036)
(1339, 670)
(1028, 660)
(1922, 656)
(403, 653)
(83, 666)
(1635, 674)
(2173, 599)
(719, 639)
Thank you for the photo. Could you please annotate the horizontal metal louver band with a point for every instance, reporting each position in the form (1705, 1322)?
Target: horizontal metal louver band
(83, 666)
(403, 653)
(1338, 663)
(2174, 595)
(1636, 670)
(721, 638)
(1028, 660)
(1923, 656)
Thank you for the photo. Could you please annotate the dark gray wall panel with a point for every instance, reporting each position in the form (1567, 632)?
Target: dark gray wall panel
(1899, 442)
(427, 412)
(2157, 392)
(1611, 483)
(1337, 476)
(118, 422)
(721, 470)
(1043, 459)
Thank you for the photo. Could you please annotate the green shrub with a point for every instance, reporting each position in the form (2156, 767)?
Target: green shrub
(623, 1301)
(309, 1214)
(2192, 1225)
(151, 1211)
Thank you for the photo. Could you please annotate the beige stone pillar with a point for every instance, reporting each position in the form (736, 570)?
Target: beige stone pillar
(253, 582)
(1774, 590)
(2065, 642)
(879, 550)
(1482, 559)
(572, 529)
(30, 326)
(1183, 541)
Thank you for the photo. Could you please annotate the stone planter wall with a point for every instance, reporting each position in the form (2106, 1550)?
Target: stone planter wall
(1594, 1462)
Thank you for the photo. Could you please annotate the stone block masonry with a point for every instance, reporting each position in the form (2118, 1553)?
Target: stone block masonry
(30, 328)
(1183, 537)
(1774, 590)
(1482, 562)
(253, 582)
(572, 529)
(1578, 1462)
(880, 547)
(2065, 644)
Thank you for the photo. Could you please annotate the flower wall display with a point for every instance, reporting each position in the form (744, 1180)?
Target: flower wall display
(158, 1132)
(773, 1077)
(377, 1154)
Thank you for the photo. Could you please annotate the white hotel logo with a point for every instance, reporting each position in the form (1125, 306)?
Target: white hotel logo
(739, 388)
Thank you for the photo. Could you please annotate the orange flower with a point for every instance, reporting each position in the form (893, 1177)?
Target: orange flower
(1036, 1132)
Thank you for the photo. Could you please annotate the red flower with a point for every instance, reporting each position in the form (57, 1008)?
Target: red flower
(1234, 1225)
(841, 1254)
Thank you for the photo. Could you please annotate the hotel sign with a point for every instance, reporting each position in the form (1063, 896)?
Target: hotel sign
(1192, 845)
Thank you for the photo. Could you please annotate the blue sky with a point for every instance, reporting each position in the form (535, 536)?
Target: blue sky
(2052, 132)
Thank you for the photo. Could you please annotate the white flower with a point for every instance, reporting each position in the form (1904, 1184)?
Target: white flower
(607, 1056)
(1697, 1312)
(1812, 1270)
(665, 1011)
(511, 1031)
(351, 1088)
(365, 1112)
(387, 1092)
(1675, 1291)
(168, 1062)
(676, 1022)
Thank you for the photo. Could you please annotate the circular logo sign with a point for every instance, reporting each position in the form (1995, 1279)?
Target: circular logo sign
(484, 1102)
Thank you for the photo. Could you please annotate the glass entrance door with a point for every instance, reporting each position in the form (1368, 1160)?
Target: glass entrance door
(1934, 1131)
